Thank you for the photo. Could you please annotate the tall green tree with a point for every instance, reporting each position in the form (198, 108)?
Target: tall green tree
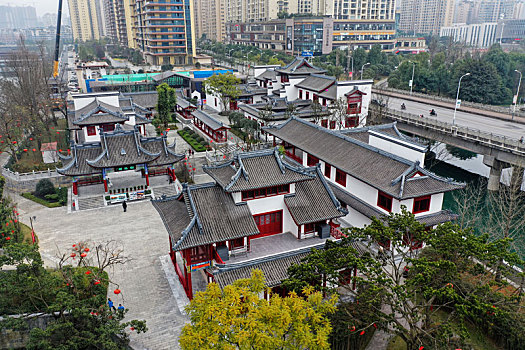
(166, 103)
(238, 318)
(446, 278)
(224, 87)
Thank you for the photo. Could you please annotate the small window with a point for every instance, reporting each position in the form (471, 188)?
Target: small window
(260, 192)
(271, 191)
(300, 94)
(384, 201)
(327, 170)
(421, 204)
(247, 195)
(307, 95)
(309, 228)
(238, 242)
(332, 124)
(311, 160)
(340, 177)
(324, 123)
(91, 131)
(108, 127)
(283, 189)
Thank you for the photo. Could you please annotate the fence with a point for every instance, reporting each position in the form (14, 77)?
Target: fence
(498, 109)
(491, 140)
(26, 182)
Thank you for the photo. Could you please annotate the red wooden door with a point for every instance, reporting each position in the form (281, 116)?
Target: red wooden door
(269, 223)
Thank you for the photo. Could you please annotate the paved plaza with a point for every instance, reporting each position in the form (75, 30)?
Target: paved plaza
(145, 287)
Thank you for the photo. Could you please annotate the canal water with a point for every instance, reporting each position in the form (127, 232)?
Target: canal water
(468, 167)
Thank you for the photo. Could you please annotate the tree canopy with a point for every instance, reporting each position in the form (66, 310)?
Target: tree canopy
(224, 87)
(166, 103)
(403, 290)
(238, 318)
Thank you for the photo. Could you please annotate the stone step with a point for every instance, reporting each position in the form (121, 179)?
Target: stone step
(90, 202)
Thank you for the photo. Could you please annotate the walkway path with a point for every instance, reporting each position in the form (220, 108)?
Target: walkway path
(145, 289)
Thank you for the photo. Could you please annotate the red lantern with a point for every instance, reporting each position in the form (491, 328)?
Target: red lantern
(168, 129)
(211, 141)
(86, 249)
(83, 255)
(224, 157)
(362, 332)
(97, 282)
(73, 255)
(421, 347)
(25, 149)
(1, 141)
(14, 142)
(58, 132)
(352, 329)
(161, 134)
(117, 291)
(30, 139)
(132, 328)
(193, 169)
(7, 224)
(7, 238)
(60, 150)
(375, 326)
(88, 272)
(34, 149)
(74, 245)
(450, 285)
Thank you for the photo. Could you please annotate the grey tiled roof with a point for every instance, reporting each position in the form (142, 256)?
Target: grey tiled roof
(370, 211)
(161, 76)
(182, 102)
(330, 93)
(174, 215)
(391, 130)
(251, 90)
(98, 112)
(256, 170)
(156, 145)
(300, 66)
(316, 82)
(146, 99)
(267, 75)
(76, 165)
(207, 119)
(120, 148)
(275, 269)
(380, 169)
(213, 217)
(313, 201)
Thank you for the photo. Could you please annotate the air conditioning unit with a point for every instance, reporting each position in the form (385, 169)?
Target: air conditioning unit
(323, 230)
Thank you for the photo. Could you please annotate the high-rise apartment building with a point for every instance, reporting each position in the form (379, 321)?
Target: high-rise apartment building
(110, 19)
(464, 12)
(164, 30)
(263, 10)
(494, 10)
(356, 10)
(84, 19)
(210, 19)
(426, 16)
(17, 17)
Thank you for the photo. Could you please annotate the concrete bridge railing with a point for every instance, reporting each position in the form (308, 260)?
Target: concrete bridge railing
(491, 140)
(480, 106)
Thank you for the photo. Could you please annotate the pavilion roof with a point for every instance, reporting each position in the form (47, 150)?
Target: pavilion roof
(207, 119)
(257, 169)
(316, 82)
(299, 66)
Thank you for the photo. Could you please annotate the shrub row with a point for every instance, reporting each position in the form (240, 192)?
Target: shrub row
(198, 143)
(41, 201)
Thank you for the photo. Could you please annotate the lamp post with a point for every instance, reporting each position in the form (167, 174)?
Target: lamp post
(412, 80)
(457, 98)
(363, 67)
(517, 93)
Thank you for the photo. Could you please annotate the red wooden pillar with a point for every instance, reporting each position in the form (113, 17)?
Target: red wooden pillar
(146, 173)
(187, 272)
(105, 185)
(75, 187)
(355, 279)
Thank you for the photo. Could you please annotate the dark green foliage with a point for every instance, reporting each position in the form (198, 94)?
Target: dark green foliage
(44, 187)
(166, 103)
(192, 141)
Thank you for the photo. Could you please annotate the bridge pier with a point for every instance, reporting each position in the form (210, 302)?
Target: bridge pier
(496, 167)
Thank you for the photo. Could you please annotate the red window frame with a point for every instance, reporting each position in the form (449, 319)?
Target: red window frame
(307, 95)
(332, 124)
(324, 123)
(236, 243)
(421, 204)
(91, 130)
(309, 228)
(269, 223)
(324, 101)
(351, 122)
(311, 160)
(199, 254)
(108, 127)
(340, 177)
(300, 94)
(384, 201)
(327, 170)
(265, 192)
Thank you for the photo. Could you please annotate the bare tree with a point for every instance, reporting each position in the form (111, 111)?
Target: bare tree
(469, 203)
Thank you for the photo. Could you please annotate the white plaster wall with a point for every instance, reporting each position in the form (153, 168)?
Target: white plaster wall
(436, 203)
(257, 98)
(291, 91)
(366, 88)
(237, 197)
(80, 101)
(270, 204)
(210, 102)
(398, 149)
(396, 205)
(354, 219)
(94, 138)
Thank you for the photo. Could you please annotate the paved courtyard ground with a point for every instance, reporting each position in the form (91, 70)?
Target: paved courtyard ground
(145, 288)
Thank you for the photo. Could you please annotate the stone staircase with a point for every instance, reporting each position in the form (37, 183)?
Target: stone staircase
(169, 191)
(90, 202)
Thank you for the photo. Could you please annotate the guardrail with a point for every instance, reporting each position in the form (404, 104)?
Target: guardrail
(498, 109)
(29, 176)
(492, 140)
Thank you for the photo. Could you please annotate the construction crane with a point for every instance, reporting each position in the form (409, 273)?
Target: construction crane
(57, 39)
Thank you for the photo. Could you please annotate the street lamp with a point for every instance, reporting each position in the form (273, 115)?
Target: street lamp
(517, 93)
(363, 67)
(412, 80)
(457, 98)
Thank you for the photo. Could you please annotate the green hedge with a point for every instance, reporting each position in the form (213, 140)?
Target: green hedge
(41, 201)
(192, 139)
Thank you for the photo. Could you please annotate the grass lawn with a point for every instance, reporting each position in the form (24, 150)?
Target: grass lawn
(32, 158)
(26, 234)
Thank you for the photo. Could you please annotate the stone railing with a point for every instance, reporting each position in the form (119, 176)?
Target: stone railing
(497, 109)
(492, 140)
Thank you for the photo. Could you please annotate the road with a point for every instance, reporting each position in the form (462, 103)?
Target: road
(474, 121)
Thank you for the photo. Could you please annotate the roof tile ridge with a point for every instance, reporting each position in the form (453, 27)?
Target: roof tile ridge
(336, 202)
(354, 197)
(97, 159)
(428, 173)
(278, 160)
(194, 209)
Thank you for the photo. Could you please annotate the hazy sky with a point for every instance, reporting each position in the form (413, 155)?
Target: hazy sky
(42, 6)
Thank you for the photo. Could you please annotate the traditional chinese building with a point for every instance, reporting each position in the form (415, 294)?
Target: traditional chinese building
(216, 130)
(120, 150)
(373, 171)
(259, 208)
